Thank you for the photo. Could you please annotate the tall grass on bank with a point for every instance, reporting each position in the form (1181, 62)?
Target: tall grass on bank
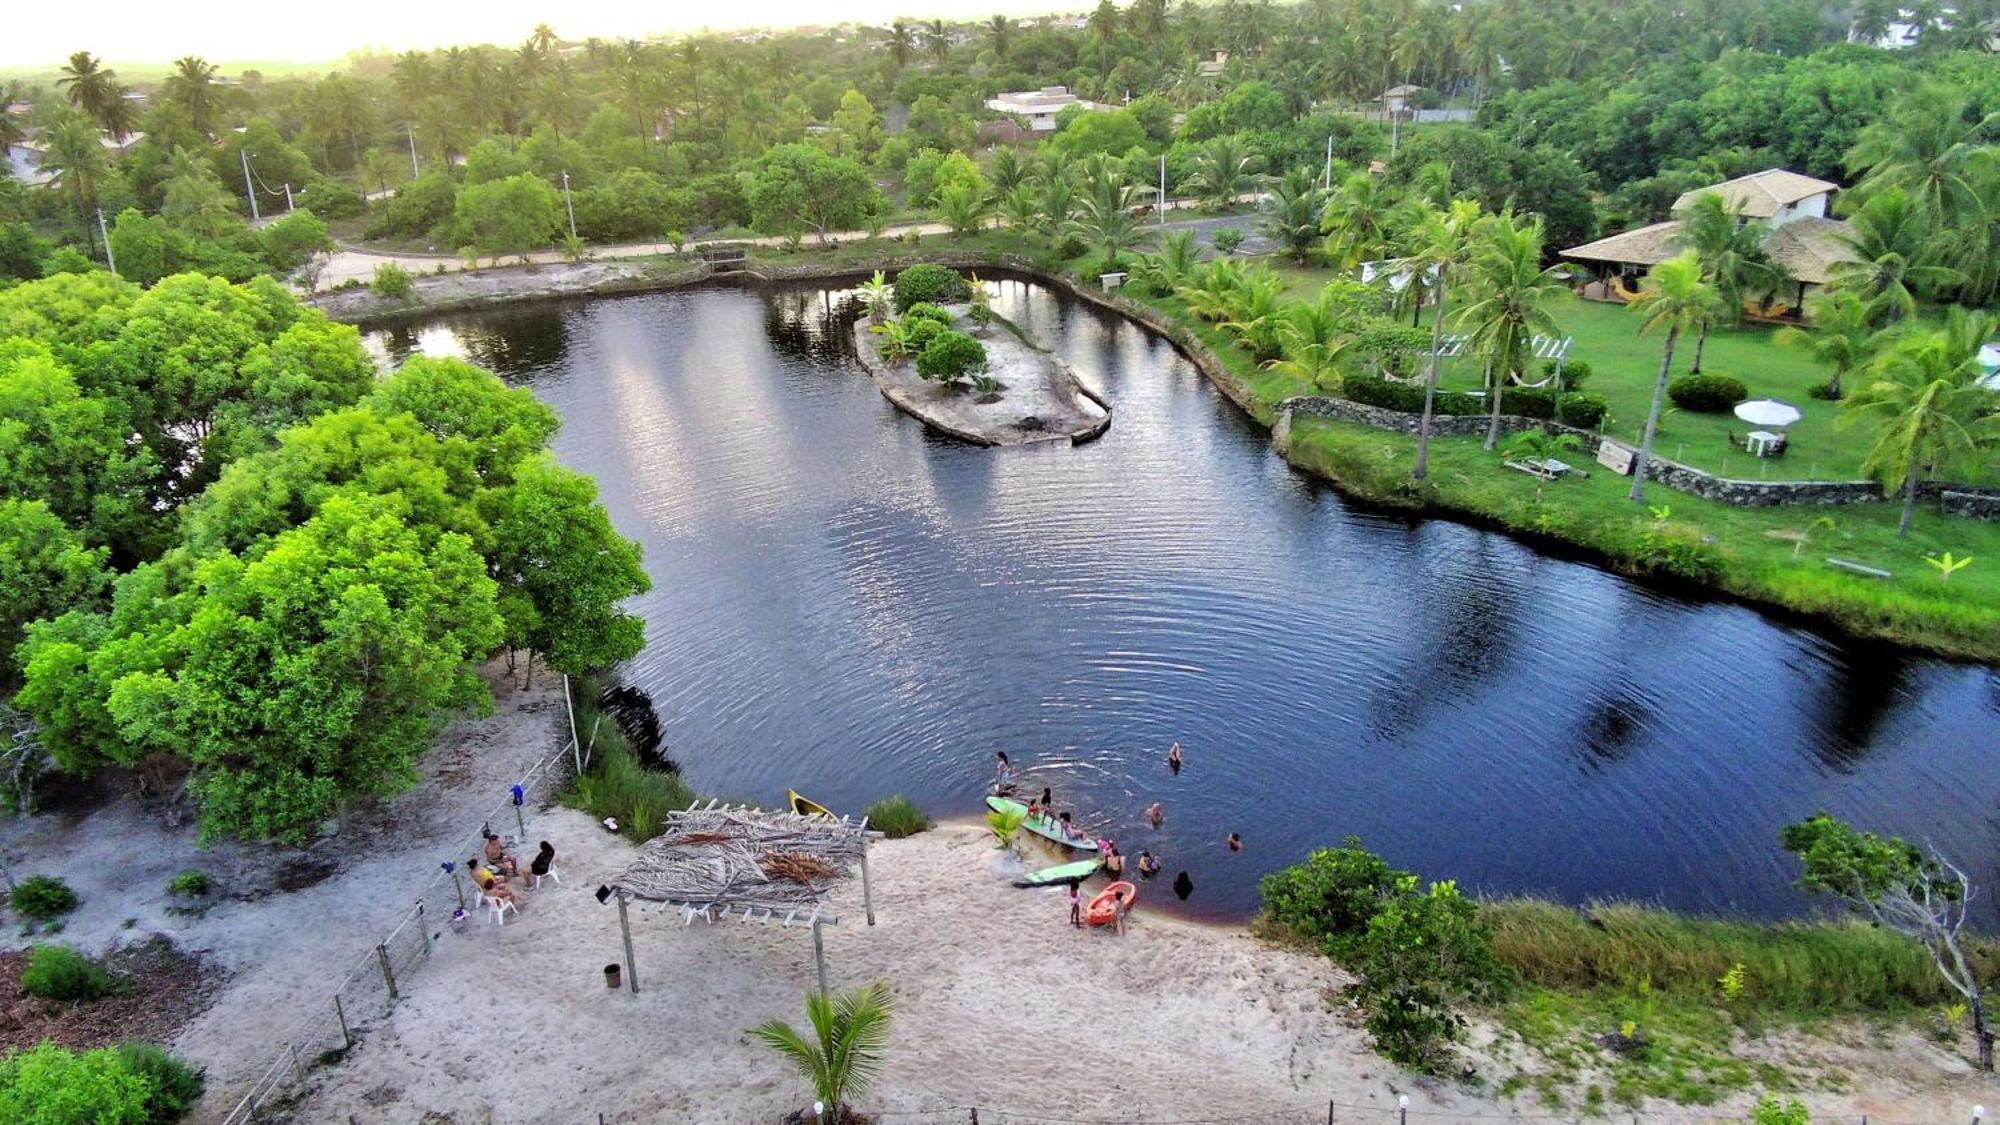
(616, 785)
(896, 817)
(1797, 966)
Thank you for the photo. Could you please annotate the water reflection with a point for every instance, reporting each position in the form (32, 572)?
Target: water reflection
(849, 605)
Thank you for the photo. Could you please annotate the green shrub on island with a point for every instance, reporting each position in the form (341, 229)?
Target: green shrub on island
(897, 817)
(133, 1084)
(952, 355)
(924, 310)
(1583, 410)
(921, 331)
(937, 285)
(42, 897)
(58, 972)
(1707, 394)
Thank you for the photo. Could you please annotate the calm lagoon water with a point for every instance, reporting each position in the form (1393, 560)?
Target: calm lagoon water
(850, 606)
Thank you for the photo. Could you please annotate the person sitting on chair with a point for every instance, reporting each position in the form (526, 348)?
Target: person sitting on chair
(489, 883)
(499, 859)
(544, 861)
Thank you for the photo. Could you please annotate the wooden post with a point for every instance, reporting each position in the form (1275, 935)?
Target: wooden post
(867, 885)
(298, 1070)
(625, 927)
(819, 955)
(575, 746)
(388, 977)
(346, 1036)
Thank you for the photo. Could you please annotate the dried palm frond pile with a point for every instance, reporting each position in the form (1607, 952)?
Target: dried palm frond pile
(745, 857)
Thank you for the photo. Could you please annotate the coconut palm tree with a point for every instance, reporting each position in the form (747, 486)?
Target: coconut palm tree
(1441, 242)
(1678, 300)
(92, 87)
(1733, 261)
(1006, 172)
(1355, 221)
(1935, 147)
(1510, 289)
(1224, 170)
(1149, 19)
(1539, 445)
(76, 163)
(1290, 215)
(1841, 335)
(1925, 405)
(1256, 311)
(193, 87)
(879, 296)
(1020, 208)
(1105, 219)
(844, 1054)
(902, 42)
(1310, 335)
(1893, 243)
(543, 38)
(963, 207)
(937, 39)
(1000, 32)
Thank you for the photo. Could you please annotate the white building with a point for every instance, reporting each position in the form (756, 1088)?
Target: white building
(1038, 107)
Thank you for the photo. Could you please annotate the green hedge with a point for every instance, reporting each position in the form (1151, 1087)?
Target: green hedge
(1582, 410)
(1579, 409)
(938, 285)
(951, 355)
(1707, 394)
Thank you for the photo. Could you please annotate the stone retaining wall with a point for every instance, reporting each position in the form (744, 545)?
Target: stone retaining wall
(1957, 500)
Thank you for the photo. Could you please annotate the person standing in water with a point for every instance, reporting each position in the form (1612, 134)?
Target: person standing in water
(1235, 842)
(1174, 758)
(1004, 769)
(1155, 814)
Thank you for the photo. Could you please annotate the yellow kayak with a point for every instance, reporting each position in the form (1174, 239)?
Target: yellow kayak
(807, 807)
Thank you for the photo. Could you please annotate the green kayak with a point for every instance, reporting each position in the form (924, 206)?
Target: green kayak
(1047, 827)
(1061, 873)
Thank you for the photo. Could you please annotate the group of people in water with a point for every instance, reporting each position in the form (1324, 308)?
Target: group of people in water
(1112, 862)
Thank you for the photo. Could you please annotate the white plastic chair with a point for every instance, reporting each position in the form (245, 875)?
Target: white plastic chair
(553, 875)
(499, 906)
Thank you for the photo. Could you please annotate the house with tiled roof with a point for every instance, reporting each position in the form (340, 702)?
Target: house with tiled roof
(1796, 208)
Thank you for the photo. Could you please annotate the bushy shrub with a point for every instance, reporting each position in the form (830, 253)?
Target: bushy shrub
(1529, 402)
(1574, 372)
(937, 285)
(176, 1085)
(1227, 239)
(1582, 410)
(61, 973)
(921, 331)
(924, 310)
(897, 817)
(1425, 955)
(42, 897)
(189, 884)
(950, 356)
(1328, 899)
(1824, 391)
(393, 281)
(331, 199)
(1707, 394)
(49, 1084)
(1370, 389)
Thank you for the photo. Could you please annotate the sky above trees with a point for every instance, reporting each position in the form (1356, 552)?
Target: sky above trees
(141, 31)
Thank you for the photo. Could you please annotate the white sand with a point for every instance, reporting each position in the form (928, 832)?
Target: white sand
(999, 1003)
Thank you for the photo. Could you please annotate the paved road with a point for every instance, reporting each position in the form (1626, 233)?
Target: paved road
(354, 264)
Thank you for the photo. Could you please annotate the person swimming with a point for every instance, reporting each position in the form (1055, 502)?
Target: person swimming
(1155, 814)
(1149, 864)
(1174, 758)
(1235, 842)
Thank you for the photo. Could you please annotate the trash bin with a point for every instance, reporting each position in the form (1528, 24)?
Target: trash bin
(611, 974)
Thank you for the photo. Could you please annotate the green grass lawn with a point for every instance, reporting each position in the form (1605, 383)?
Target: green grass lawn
(1624, 366)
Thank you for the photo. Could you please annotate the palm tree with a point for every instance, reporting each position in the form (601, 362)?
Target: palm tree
(1006, 172)
(1106, 220)
(1926, 406)
(543, 38)
(92, 87)
(1891, 240)
(1310, 336)
(1931, 147)
(1733, 261)
(1539, 445)
(902, 41)
(1290, 215)
(76, 164)
(879, 296)
(1510, 288)
(1223, 171)
(937, 39)
(1057, 203)
(192, 86)
(1020, 208)
(844, 1054)
(1840, 337)
(1149, 19)
(1000, 29)
(1256, 308)
(1678, 300)
(1104, 21)
(1355, 221)
(963, 207)
(1441, 242)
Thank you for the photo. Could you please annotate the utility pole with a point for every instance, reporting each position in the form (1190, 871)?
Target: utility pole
(248, 192)
(567, 205)
(411, 132)
(1329, 162)
(1163, 189)
(111, 260)
(288, 195)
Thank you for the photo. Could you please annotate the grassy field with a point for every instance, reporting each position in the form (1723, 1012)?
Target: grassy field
(1625, 364)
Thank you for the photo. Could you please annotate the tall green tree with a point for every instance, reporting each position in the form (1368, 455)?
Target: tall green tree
(1894, 246)
(1679, 301)
(76, 165)
(1357, 221)
(1224, 170)
(1106, 219)
(1290, 215)
(797, 186)
(1839, 335)
(564, 570)
(1441, 243)
(1509, 291)
(1733, 260)
(194, 87)
(94, 88)
(1924, 406)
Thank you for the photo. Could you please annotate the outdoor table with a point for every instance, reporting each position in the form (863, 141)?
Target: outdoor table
(1761, 443)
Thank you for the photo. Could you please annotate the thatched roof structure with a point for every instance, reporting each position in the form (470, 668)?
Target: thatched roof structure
(1808, 248)
(767, 864)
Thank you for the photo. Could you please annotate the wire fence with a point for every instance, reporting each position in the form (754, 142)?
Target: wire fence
(1338, 1113)
(378, 979)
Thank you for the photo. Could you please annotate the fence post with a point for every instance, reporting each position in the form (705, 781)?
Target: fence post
(423, 928)
(388, 978)
(298, 1069)
(1402, 1109)
(625, 927)
(346, 1036)
(975, 1115)
(1329, 1111)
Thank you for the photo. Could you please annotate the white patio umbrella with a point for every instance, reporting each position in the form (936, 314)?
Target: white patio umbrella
(1767, 412)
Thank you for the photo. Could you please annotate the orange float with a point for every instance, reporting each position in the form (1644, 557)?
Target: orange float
(1110, 902)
